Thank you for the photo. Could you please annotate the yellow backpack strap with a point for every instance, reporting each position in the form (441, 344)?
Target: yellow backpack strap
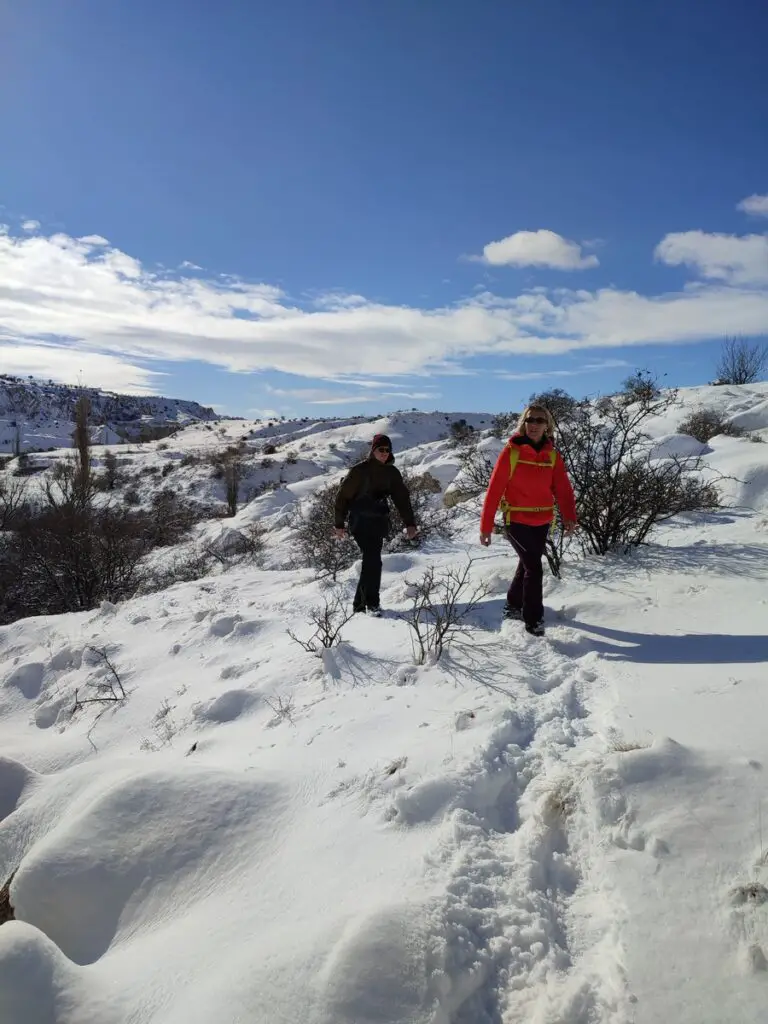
(514, 458)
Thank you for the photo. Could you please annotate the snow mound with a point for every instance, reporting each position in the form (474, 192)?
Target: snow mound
(677, 446)
(148, 846)
(14, 779)
(37, 983)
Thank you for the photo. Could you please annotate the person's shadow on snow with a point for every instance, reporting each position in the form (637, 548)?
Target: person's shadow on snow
(663, 649)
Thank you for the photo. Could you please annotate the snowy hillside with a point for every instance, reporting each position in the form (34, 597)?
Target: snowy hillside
(40, 415)
(568, 830)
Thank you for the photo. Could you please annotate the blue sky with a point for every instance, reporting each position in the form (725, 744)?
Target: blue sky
(353, 206)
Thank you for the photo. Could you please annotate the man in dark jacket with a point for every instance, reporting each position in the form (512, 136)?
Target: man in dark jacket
(363, 497)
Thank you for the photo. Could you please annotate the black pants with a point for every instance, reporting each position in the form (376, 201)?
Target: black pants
(369, 537)
(525, 589)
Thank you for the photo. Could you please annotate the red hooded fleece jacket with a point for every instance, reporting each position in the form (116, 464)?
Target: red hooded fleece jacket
(528, 489)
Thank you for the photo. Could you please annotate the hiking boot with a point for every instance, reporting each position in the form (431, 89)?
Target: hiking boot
(512, 613)
(376, 612)
(537, 629)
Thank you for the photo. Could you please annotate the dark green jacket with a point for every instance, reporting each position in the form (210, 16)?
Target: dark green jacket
(364, 491)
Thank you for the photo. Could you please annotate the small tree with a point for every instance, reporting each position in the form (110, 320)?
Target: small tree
(557, 401)
(741, 362)
(461, 433)
(83, 487)
(233, 475)
(110, 470)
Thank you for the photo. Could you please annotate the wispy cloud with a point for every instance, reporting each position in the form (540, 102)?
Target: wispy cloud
(537, 249)
(30, 226)
(65, 366)
(605, 364)
(186, 265)
(96, 300)
(756, 206)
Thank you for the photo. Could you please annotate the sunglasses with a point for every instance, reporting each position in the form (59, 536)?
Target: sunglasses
(383, 448)
(536, 419)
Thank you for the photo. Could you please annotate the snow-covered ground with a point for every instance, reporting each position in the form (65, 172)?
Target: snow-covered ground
(561, 831)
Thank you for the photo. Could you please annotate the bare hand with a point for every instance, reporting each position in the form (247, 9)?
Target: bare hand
(485, 539)
(339, 532)
(411, 532)
(569, 527)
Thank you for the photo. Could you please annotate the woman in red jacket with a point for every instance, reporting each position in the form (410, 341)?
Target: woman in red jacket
(527, 480)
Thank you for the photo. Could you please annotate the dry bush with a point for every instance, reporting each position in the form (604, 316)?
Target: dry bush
(504, 424)
(557, 401)
(442, 604)
(621, 492)
(13, 506)
(316, 546)
(328, 619)
(461, 433)
(704, 424)
(68, 559)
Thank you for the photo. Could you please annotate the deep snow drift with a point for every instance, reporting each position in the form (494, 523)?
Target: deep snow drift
(560, 831)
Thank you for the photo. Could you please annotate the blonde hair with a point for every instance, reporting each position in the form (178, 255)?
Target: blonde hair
(549, 430)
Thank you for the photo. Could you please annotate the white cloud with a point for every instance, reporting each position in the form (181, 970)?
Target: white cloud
(30, 226)
(74, 366)
(537, 249)
(186, 265)
(737, 259)
(755, 205)
(93, 240)
(98, 301)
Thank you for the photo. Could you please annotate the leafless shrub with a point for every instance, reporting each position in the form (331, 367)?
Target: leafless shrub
(12, 501)
(328, 619)
(503, 424)
(194, 564)
(132, 496)
(282, 708)
(237, 547)
(233, 475)
(741, 362)
(474, 477)
(704, 424)
(756, 439)
(557, 401)
(441, 608)
(171, 517)
(461, 433)
(111, 471)
(68, 559)
(108, 689)
(434, 520)
(316, 546)
(622, 493)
